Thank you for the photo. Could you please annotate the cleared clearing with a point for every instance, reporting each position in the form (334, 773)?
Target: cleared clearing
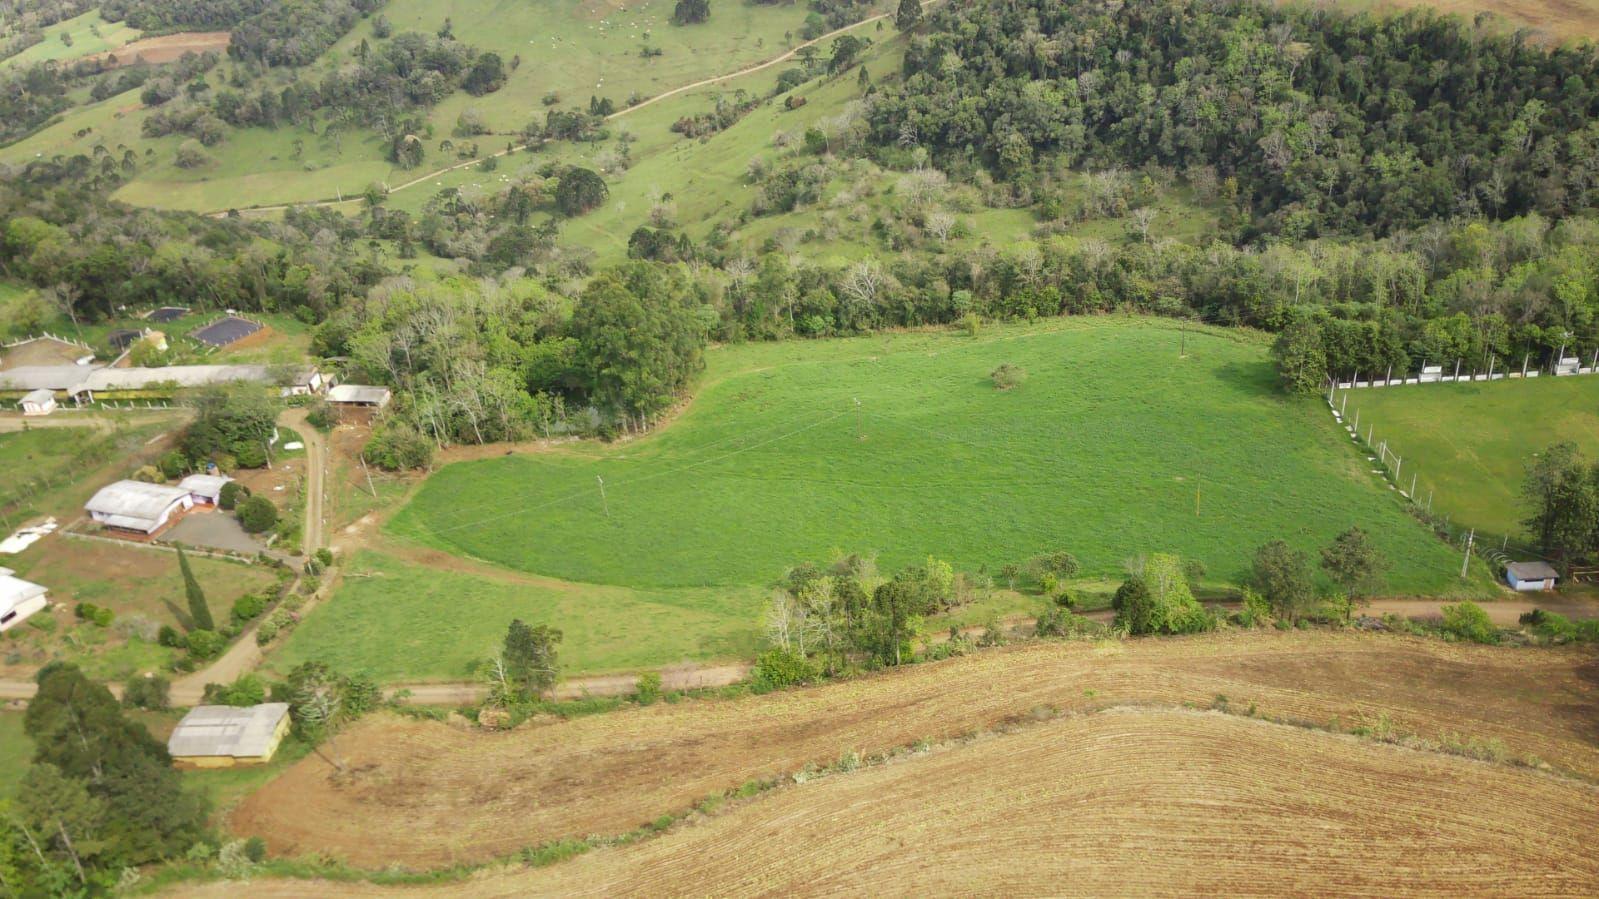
(426, 795)
(1126, 802)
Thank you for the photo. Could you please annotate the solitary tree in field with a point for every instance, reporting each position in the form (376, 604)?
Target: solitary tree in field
(1282, 574)
(199, 611)
(579, 191)
(909, 15)
(691, 12)
(1564, 500)
(529, 657)
(1355, 563)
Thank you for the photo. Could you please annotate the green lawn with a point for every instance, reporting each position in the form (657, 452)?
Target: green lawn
(401, 621)
(1470, 444)
(1101, 452)
(40, 452)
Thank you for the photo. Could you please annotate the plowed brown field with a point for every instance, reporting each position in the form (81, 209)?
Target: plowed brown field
(1125, 802)
(424, 794)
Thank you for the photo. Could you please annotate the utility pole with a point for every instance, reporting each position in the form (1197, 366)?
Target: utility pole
(1470, 538)
(604, 504)
(369, 485)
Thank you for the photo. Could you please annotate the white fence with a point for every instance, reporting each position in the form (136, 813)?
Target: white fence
(1566, 366)
(46, 335)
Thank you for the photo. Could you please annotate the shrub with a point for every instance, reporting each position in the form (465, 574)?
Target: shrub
(173, 465)
(324, 557)
(99, 616)
(149, 692)
(231, 493)
(257, 514)
(255, 849)
(321, 415)
(397, 446)
(251, 455)
(649, 687)
(1008, 376)
(777, 668)
(247, 690)
(248, 606)
(169, 636)
(1256, 611)
(1468, 621)
(203, 644)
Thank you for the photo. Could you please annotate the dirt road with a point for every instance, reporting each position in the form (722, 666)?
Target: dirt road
(316, 463)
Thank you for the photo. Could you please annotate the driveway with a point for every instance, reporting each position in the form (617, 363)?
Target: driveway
(212, 529)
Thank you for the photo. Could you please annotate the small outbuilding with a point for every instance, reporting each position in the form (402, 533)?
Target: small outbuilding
(359, 395)
(222, 736)
(38, 402)
(137, 506)
(1531, 576)
(204, 488)
(18, 600)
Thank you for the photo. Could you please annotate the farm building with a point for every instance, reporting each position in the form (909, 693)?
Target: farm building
(38, 402)
(83, 383)
(204, 488)
(137, 506)
(18, 600)
(1531, 576)
(221, 736)
(359, 395)
(166, 314)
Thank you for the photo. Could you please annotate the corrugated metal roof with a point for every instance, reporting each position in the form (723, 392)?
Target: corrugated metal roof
(40, 396)
(135, 500)
(358, 393)
(1531, 571)
(15, 591)
(221, 730)
(77, 378)
(204, 484)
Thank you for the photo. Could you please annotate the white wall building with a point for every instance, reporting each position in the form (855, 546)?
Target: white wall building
(39, 402)
(18, 600)
(137, 506)
(204, 488)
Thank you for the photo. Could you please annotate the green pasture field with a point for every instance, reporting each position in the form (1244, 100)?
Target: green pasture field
(1105, 451)
(84, 40)
(401, 621)
(1470, 444)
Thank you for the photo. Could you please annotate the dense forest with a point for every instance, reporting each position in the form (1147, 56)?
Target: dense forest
(1319, 122)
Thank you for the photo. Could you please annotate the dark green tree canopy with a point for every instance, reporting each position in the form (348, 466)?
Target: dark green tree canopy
(580, 190)
(642, 330)
(691, 12)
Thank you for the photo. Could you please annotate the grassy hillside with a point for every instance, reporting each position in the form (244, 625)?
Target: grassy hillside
(1471, 443)
(1101, 452)
(89, 34)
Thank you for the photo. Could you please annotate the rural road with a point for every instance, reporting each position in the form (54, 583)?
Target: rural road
(11, 422)
(704, 82)
(1505, 613)
(316, 463)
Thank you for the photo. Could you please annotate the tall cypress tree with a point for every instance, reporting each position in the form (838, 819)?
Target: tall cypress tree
(199, 612)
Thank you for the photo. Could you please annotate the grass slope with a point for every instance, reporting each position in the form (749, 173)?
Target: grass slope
(89, 32)
(1101, 452)
(402, 621)
(1471, 443)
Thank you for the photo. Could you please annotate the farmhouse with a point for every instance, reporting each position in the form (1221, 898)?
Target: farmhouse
(38, 402)
(1531, 576)
(359, 395)
(137, 506)
(204, 488)
(18, 600)
(220, 736)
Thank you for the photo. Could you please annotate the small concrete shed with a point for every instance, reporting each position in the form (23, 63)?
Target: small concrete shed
(38, 402)
(204, 488)
(359, 395)
(222, 736)
(1531, 576)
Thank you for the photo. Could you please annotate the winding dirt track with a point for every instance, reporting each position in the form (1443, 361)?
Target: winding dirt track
(425, 795)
